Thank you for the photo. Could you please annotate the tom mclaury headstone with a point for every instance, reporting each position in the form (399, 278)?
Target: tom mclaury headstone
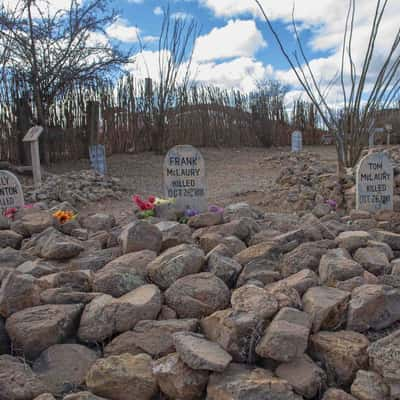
(374, 183)
(185, 178)
(11, 194)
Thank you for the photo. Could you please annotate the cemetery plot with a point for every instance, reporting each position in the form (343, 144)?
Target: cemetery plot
(11, 194)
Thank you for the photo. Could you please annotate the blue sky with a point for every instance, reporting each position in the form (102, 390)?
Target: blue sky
(235, 48)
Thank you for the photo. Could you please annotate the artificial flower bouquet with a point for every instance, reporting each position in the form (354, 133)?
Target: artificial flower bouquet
(64, 216)
(147, 208)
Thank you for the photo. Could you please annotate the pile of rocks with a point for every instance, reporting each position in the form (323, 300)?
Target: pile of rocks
(234, 306)
(304, 182)
(77, 188)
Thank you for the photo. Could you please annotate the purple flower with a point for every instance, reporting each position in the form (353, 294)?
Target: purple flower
(189, 212)
(332, 204)
(215, 209)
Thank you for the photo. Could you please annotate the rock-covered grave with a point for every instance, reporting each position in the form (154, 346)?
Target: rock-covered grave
(239, 304)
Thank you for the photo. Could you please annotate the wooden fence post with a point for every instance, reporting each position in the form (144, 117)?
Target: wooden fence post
(32, 137)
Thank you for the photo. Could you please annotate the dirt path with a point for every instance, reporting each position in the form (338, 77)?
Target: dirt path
(232, 174)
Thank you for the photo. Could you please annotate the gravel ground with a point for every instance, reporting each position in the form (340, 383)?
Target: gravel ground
(232, 174)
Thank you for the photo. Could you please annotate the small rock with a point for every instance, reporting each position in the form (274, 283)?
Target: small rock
(10, 239)
(301, 281)
(373, 307)
(224, 268)
(306, 377)
(369, 385)
(174, 234)
(327, 307)
(140, 235)
(35, 329)
(33, 221)
(249, 298)
(152, 337)
(240, 382)
(337, 265)
(123, 377)
(17, 380)
(98, 222)
(205, 219)
(63, 367)
(337, 394)
(177, 380)
(372, 259)
(175, 263)
(286, 337)
(199, 353)
(198, 295)
(353, 240)
(123, 274)
(342, 353)
(390, 238)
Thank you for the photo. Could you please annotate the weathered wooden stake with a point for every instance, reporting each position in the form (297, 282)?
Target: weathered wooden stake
(32, 137)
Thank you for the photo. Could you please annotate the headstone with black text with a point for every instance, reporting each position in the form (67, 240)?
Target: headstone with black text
(185, 178)
(97, 155)
(297, 142)
(11, 194)
(374, 183)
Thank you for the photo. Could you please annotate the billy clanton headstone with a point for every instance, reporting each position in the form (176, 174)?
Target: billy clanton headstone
(11, 194)
(374, 183)
(185, 178)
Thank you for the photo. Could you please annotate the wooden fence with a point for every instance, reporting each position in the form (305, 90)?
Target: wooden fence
(202, 116)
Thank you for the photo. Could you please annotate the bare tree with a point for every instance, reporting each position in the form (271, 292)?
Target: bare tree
(175, 51)
(352, 125)
(52, 51)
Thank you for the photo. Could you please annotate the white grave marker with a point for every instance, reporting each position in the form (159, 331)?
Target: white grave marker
(11, 194)
(374, 183)
(185, 178)
(297, 142)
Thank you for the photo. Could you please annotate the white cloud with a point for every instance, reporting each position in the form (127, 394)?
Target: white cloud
(120, 30)
(158, 11)
(238, 38)
(181, 15)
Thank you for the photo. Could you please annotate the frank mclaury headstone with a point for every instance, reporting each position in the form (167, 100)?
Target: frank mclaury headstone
(374, 183)
(11, 194)
(185, 178)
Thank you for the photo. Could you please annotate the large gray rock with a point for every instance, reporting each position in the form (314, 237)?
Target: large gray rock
(123, 377)
(240, 382)
(196, 296)
(140, 235)
(236, 332)
(37, 268)
(337, 265)
(106, 316)
(63, 367)
(373, 307)
(95, 260)
(390, 238)
(205, 219)
(123, 274)
(300, 281)
(11, 258)
(305, 256)
(74, 280)
(306, 377)
(369, 385)
(177, 381)
(35, 329)
(199, 353)
(353, 240)
(17, 381)
(98, 222)
(82, 396)
(342, 353)
(250, 298)
(224, 268)
(174, 234)
(152, 337)
(175, 263)
(337, 394)
(19, 291)
(32, 221)
(372, 259)
(53, 245)
(10, 238)
(286, 337)
(384, 359)
(327, 307)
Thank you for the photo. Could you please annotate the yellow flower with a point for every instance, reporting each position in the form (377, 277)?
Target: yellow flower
(64, 216)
